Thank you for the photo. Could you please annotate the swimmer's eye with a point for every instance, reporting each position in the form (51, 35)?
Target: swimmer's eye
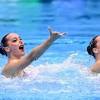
(14, 40)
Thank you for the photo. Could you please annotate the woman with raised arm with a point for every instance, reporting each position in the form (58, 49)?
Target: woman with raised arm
(13, 47)
(94, 50)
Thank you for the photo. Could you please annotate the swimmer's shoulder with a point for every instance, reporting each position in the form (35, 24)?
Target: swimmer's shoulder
(95, 68)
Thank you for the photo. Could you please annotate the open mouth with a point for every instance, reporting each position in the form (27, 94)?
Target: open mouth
(21, 47)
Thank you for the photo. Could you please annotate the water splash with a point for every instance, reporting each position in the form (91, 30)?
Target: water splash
(68, 78)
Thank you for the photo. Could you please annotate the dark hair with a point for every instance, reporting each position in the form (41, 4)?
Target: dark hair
(92, 45)
(3, 44)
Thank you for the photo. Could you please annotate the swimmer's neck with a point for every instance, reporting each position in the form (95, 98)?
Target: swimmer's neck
(97, 58)
(14, 58)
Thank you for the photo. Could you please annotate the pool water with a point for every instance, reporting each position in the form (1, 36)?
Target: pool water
(62, 72)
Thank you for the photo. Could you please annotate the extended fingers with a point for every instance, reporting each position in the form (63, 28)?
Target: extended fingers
(50, 30)
(57, 33)
(62, 34)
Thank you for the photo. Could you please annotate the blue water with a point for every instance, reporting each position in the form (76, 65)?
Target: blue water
(62, 72)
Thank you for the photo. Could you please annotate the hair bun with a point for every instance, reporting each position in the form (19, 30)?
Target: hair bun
(2, 51)
(89, 50)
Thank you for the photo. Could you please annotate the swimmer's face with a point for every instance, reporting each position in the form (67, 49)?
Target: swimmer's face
(96, 50)
(15, 45)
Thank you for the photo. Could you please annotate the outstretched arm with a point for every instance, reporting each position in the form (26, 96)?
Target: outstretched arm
(39, 50)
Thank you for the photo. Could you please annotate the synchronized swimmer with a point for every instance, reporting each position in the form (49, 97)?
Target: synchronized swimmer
(94, 50)
(13, 47)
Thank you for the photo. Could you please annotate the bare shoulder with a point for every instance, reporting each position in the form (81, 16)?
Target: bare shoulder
(96, 67)
(12, 70)
(10, 66)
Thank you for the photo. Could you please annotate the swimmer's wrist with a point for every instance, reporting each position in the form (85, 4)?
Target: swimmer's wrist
(51, 38)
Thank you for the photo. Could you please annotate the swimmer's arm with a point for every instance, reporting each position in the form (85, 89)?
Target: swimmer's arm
(39, 50)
